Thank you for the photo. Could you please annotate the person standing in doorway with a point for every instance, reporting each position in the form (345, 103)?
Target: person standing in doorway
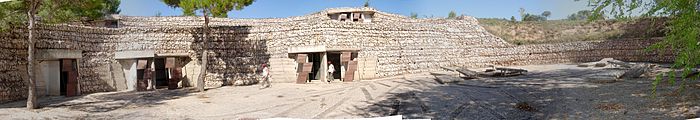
(265, 80)
(331, 69)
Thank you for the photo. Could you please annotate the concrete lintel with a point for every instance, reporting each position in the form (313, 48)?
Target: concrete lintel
(134, 54)
(342, 49)
(320, 48)
(173, 54)
(307, 49)
(55, 54)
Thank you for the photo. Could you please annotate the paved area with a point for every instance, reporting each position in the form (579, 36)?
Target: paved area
(546, 92)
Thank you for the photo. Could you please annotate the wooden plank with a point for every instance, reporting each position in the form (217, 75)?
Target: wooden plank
(345, 56)
(142, 64)
(300, 67)
(170, 62)
(176, 74)
(72, 84)
(301, 58)
(349, 76)
(142, 84)
(307, 67)
(301, 79)
(67, 65)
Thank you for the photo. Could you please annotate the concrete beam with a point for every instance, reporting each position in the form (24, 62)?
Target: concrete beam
(173, 55)
(55, 54)
(307, 49)
(320, 48)
(134, 54)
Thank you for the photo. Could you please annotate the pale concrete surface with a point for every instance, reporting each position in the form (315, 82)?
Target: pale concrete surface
(549, 92)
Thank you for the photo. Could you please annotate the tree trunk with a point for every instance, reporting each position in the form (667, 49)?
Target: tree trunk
(205, 47)
(31, 95)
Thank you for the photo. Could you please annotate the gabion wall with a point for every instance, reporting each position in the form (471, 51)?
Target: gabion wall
(238, 47)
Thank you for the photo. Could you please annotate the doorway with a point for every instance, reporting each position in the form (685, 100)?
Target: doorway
(315, 58)
(334, 58)
(68, 78)
(161, 73)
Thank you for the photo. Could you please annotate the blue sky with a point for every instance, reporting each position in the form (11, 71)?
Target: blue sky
(437, 8)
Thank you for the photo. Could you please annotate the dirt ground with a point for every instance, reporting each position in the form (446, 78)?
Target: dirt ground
(560, 91)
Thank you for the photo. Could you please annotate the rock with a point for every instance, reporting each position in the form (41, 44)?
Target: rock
(600, 64)
(239, 83)
(582, 65)
(635, 72)
(617, 62)
(444, 79)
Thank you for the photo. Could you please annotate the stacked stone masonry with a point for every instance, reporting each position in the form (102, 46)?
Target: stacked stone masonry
(399, 44)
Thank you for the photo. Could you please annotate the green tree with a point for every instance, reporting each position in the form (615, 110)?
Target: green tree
(111, 7)
(451, 15)
(546, 14)
(522, 13)
(682, 31)
(531, 17)
(580, 15)
(512, 19)
(20, 13)
(366, 3)
(215, 8)
(524, 16)
(414, 15)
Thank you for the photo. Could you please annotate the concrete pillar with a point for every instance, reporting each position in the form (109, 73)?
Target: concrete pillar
(324, 66)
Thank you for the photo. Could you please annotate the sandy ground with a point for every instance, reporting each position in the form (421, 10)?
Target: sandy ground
(546, 92)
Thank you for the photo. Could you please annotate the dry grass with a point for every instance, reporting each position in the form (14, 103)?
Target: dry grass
(524, 106)
(610, 106)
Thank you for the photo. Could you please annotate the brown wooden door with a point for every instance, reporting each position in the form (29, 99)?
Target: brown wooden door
(69, 67)
(175, 72)
(145, 74)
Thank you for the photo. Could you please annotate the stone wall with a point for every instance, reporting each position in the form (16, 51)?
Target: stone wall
(400, 45)
(13, 57)
(557, 31)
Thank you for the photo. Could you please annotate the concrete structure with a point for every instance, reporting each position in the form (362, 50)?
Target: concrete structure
(145, 51)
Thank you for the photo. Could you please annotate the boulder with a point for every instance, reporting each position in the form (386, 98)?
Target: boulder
(444, 79)
(635, 72)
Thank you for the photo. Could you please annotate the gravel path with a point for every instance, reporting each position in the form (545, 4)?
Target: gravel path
(546, 92)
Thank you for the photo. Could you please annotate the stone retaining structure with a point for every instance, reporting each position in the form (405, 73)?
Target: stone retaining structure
(400, 45)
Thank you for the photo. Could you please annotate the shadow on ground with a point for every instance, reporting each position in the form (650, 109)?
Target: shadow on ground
(558, 94)
(105, 102)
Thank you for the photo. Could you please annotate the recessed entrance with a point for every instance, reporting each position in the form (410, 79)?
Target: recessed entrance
(315, 59)
(312, 63)
(334, 58)
(161, 73)
(68, 77)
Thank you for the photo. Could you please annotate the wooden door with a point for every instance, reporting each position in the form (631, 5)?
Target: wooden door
(144, 73)
(175, 72)
(69, 67)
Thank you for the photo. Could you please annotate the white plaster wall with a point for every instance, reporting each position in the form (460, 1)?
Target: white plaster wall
(129, 68)
(49, 78)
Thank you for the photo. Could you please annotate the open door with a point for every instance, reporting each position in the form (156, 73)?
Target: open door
(144, 75)
(69, 78)
(174, 72)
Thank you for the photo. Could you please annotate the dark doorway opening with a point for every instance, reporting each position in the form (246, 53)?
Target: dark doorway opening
(334, 58)
(161, 73)
(64, 82)
(68, 77)
(315, 58)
